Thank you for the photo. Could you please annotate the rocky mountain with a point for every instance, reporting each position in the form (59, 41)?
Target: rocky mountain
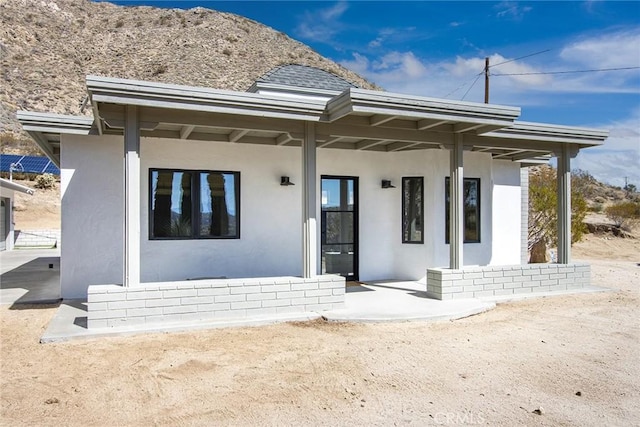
(47, 47)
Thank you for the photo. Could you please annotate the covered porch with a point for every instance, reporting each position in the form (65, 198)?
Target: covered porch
(353, 120)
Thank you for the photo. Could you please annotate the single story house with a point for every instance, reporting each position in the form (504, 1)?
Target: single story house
(7, 193)
(186, 203)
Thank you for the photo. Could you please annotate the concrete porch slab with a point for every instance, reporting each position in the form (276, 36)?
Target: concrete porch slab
(388, 301)
(385, 301)
(70, 323)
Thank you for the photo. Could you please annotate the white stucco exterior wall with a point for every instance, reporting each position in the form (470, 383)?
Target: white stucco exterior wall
(7, 218)
(270, 241)
(271, 229)
(507, 213)
(91, 179)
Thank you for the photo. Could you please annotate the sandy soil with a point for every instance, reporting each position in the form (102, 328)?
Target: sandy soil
(37, 211)
(574, 357)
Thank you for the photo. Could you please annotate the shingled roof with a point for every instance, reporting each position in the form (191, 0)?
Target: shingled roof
(306, 77)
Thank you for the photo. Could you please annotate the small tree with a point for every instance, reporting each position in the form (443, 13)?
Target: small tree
(543, 215)
(625, 215)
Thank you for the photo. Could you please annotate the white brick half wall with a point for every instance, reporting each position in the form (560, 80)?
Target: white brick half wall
(475, 282)
(211, 299)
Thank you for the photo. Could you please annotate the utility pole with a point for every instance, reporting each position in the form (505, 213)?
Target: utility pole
(486, 80)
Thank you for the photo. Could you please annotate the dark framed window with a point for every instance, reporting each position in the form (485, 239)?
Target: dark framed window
(471, 198)
(412, 210)
(194, 204)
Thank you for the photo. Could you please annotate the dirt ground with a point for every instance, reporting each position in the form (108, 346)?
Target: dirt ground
(573, 358)
(37, 211)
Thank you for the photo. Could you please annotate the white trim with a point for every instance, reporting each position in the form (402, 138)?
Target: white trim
(551, 133)
(10, 185)
(418, 107)
(161, 95)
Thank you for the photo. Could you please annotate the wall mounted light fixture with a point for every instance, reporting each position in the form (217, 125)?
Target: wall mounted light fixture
(284, 180)
(386, 183)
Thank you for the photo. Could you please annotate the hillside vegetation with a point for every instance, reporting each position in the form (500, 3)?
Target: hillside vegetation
(48, 47)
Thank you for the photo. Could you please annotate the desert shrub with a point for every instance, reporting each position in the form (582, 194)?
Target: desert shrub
(596, 207)
(120, 23)
(45, 181)
(160, 69)
(625, 215)
(543, 216)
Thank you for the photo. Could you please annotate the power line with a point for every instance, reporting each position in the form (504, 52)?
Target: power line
(567, 72)
(522, 57)
(470, 87)
(459, 87)
(477, 76)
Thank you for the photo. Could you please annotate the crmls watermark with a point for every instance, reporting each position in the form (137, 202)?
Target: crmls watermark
(458, 418)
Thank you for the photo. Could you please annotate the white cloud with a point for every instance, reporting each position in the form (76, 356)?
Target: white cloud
(619, 157)
(511, 10)
(405, 72)
(322, 25)
(609, 50)
(514, 82)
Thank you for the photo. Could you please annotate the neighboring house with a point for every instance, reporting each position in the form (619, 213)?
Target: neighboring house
(177, 201)
(7, 192)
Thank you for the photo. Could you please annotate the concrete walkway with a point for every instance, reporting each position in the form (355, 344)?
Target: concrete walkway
(30, 276)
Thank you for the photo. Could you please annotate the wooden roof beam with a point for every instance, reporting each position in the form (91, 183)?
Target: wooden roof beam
(366, 144)
(185, 131)
(379, 119)
(237, 134)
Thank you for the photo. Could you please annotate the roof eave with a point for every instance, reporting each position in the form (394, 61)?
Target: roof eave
(584, 137)
(40, 125)
(160, 95)
(417, 107)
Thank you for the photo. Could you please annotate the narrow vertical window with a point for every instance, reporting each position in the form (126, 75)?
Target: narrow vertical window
(471, 198)
(171, 203)
(412, 210)
(218, 204)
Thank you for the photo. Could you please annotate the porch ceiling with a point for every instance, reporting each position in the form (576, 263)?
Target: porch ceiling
(356, 119)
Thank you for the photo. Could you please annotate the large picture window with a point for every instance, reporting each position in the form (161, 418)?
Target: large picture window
(412, 210)
(186, 204)
(471, 199)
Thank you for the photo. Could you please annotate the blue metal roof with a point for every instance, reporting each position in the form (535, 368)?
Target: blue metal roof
(27, 164)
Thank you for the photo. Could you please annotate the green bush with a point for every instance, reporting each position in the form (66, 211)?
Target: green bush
(625, 215)
(543, 216)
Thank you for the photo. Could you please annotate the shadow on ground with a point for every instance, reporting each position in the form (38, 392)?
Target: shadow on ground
(30, 281)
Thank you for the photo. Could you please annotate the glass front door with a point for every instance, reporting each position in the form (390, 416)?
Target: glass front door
(339, 239)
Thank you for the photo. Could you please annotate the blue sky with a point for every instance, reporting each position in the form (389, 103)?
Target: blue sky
(437, 49)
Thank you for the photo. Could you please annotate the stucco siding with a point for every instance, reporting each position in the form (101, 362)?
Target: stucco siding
(271, 231)
(507, 216)
(91, 176)
(270, 241)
